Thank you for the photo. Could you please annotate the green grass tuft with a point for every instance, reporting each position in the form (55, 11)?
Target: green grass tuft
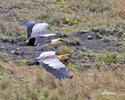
(24, 37)
(64, 50)
(49, 18)
(108, 58)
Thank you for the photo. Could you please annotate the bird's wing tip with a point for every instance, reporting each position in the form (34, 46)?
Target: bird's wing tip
(31, 63)
(71, 76)
(26, 22)
(23, 22)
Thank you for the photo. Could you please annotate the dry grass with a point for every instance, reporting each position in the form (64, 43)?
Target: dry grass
(34, 83)
(87, 13)
(20, 82)
(119, 9)
(64, 50)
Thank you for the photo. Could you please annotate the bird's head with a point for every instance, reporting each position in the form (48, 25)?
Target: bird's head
(64, 56)
(56, 40)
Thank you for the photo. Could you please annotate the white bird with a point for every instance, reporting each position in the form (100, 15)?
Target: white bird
(51, 63)
(29, 24)
(40, 29)
(37, 34)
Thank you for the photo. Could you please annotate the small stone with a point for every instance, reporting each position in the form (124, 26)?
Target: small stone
(17, 48)
(89, 37)
(13, 51)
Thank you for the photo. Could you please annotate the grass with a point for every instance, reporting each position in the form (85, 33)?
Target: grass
(34, 83)
(106, 39)
(49, 18)
(64, 50)
(108, 58)
(24, 37)
(97, 71)
(63, 17)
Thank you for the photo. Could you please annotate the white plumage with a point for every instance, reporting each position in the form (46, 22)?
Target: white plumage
(48, 35)
(49, 60)
(39, 29)
(54, 63)
(37, 35)
(46, 55)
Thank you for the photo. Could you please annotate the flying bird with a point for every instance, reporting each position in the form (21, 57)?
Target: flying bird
(37, 34)
(51, 63)
(29, 24)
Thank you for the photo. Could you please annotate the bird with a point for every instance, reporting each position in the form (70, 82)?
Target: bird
(51, 63)
(29, 24)
(37, 34)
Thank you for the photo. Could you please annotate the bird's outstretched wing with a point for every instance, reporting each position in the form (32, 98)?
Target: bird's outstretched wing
(30, 24)
(39, 33)
(40, 41)
(39, 29)
(50, 62)
(36, 34)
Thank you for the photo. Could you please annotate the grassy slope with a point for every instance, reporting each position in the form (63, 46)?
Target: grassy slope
(18, 82)
(89, 14)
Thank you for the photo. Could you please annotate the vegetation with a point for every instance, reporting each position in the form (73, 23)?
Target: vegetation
(67, 15)
(93, 72)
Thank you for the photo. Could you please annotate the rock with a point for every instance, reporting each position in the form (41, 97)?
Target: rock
(13, 51)
(89, 37)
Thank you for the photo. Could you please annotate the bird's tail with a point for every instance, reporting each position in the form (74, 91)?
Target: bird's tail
(31, 63)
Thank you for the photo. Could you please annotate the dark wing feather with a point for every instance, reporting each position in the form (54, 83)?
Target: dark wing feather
(31, 63)
(41, 40)
(27, 22)
(29, 29)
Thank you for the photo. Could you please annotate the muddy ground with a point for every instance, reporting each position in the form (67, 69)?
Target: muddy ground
(95, 40)
(12, 48)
